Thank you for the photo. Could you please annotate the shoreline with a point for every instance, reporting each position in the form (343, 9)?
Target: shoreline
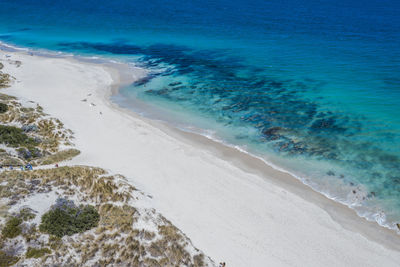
(254, 174)
(339, 212)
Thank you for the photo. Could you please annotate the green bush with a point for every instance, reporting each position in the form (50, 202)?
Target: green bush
(12, 228)
(62, 221)
(3, 108)
(36, 252)
(15, 137)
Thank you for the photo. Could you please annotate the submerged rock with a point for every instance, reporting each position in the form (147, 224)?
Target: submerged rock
(330, 173)
(272, 133)
(276, 84)
(299, 148)
(284, 146)
(144, 80)
(326, 124)
(175, 83)
(178, 88)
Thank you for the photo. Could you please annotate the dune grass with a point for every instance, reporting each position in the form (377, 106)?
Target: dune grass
(48, 132)
(58, 157)
(114, 234)
(91, 181)
(5, 80)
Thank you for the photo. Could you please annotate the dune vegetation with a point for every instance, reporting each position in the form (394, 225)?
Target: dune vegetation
(93, 219)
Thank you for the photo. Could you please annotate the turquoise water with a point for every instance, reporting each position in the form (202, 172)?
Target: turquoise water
(310, 86)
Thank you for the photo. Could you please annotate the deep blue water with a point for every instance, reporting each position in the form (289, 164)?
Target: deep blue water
(312, 87)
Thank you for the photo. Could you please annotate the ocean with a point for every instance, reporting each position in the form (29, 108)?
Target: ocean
(311, 87)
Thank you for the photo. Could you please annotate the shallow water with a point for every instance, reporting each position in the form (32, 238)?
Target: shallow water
(309, 86)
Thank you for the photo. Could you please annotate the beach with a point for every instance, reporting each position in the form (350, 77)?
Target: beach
(232, 206)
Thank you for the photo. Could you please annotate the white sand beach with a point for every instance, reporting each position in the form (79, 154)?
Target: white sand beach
(233, 207)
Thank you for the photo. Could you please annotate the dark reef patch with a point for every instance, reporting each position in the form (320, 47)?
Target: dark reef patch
(235, 94)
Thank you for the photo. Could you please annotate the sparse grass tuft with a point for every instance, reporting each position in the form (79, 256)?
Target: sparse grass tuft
(26, 214)
(37, 252)
(10, 161)
(7, 260)
(5, 97)
(58, 157)
(5, 80)
(117, 217)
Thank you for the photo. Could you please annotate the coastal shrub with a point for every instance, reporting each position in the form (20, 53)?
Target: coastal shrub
(3, 108)
(36, 252)
(7, 260)
(68, 220)
(12, 228)
(15, 137)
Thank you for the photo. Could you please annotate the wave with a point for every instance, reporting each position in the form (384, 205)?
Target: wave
(357, 195)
